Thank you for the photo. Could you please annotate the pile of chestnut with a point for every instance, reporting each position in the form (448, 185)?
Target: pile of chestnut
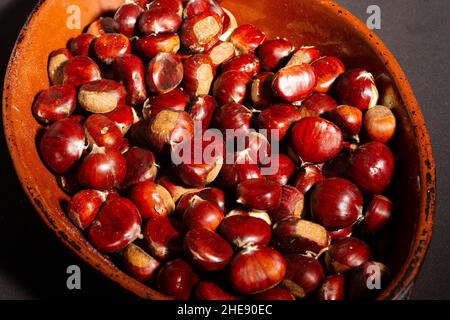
(123, 93)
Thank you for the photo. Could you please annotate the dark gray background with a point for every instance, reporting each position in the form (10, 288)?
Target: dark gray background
(33, 262)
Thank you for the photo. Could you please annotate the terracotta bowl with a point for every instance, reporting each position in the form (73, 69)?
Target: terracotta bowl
(305, 22)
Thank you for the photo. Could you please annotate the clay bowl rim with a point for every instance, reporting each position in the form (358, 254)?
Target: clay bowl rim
(402, 283)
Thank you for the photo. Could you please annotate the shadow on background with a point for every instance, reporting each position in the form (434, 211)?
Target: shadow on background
(33, 261)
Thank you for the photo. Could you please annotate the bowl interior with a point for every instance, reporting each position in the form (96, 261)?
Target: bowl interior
(305, 22)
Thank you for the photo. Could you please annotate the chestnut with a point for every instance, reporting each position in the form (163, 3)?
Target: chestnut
(55, 103)
(337, 167)
(336, 235)
(117, 225)
(247, 63)
(177, 99)
(377, 215)
(164, 73)
(274, 294)
(372, 167)
(101, 96)
(368, 280)
(152, 199)
(291, 204)
(278, 117)
(124, 117)
(62, 145)
(68, 181)
(332, 288)
(259, 194)
(316, 140)
(102, 169)
(80, 70)
(208, 290)
(141, 166)
(175, 187)
(102, 26)
(221, 52)
(327, 70)
(202, 109)
(242, 231)
(213, 195)
(127, 17)
(159, 20)
(110, 46)
(56, 63)
(256, 269)
(175, 6)
(261, 92)
(149, 46)
(263, 215)
(317, 104)
(164, 237)
(243, 168)
(202, 214)
(336, 203)
(380, 124)
(348, 119)
(207, 250)
(308, 176)
(357, 88)
(103, 132)
(295, 235)
(347, 254)
(201, 32)
(139, 264)
(196, 7)
(177, 278)
(231, 87)
(198, 74)
(247, 38)
(305, 54)
(294, 83)
(229, 25)
(84, 206)
(233, 116)
(81, 45)
(303, 274)
(274, 53)
(129, 70)
(286, 168)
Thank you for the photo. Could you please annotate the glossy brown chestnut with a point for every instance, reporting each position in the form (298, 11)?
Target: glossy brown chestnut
(380, 124)
(62, 145)
(233, 116)
(243, 168)
(247, 38)
(291, 204)
(247, 63)
(102, 26)
(110, 46)
(214, 195)
(201, 32)
(198, 74)
(294, 83)
(103, 132)
(177, 278)
(149, 46)
(303, 274)
(139, 264)
(164, 237)
(171, 5)
(259, 194)
(208, 290)
(295, 235)
(332, 288)
(357, 88)
(117, 225)
(129, 70)
(159, 20)
(336, 203)
(141, 166)
(202, 109)
(286, 168)
(256, 269)
(101, 96)
(84, 206)
(279, 117)
(80, 70)
(368, 280)
(347, 254)
(242, 231)
(377, 215)
(347, 118)
(207, 250)
(308, 176)
(372, 167)
(152, 199)
(263, 215)
(124, 117)
(231, 87)
(327, 70)
(274, 294)
(127, 17)
(221, 52)
(56, 63)
(305, 54)
(261, 92)
(81, 45)
(336, 235)
(164, 73)
(316, 140)
(274, 53)
(202, 214)
(55, 103)
(317, 104)
(195, 7)
(176, 99)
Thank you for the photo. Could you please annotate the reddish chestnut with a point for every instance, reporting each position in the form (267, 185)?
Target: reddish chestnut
(229, 25)
(357, 88)
(149, 46)
(347, 118)
(368, 280)
(207, 250)
(327, 70)
(164, 73)
(195, 7)
(316, 140)
(247, 63)
(347, 254)
(256, 269)
(243, 168)
(317, 104)
(139, 264)
(308, 176)
(102, 26)
(263, 215)
(294, 83)
(340, 234)
(171, 5)
(291, 204)
(278, 117)
(177, 278)
(372, 167)
(202, 109)
(274, 294)
(141, 166)
(124, 117)
(213, 195)
(303, 274)
(56, 63)
(294, 235)
(221, 52)
(176, 99)
(337, 167)
(81, 45)
(129, 70)
(164, 237)
(117, 225)
(55, 103)
(62, 145)
(159, 20)
(261, 92)
(201, 32)
(242, 231)
(84, 206)
(259, 194)
(101, 96)
(247, 38)
(127, 17)
(103, 132)
(336, 203)
(231, 87)
(80, 70)
(332, 288)
(152, 200)
(110, 46)
(233, 116)
(274, 53)
(286, 168)
(207, 290)
(380, 124)
(202, 214)
(198, 74)
(378, 214)
(305, 54)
